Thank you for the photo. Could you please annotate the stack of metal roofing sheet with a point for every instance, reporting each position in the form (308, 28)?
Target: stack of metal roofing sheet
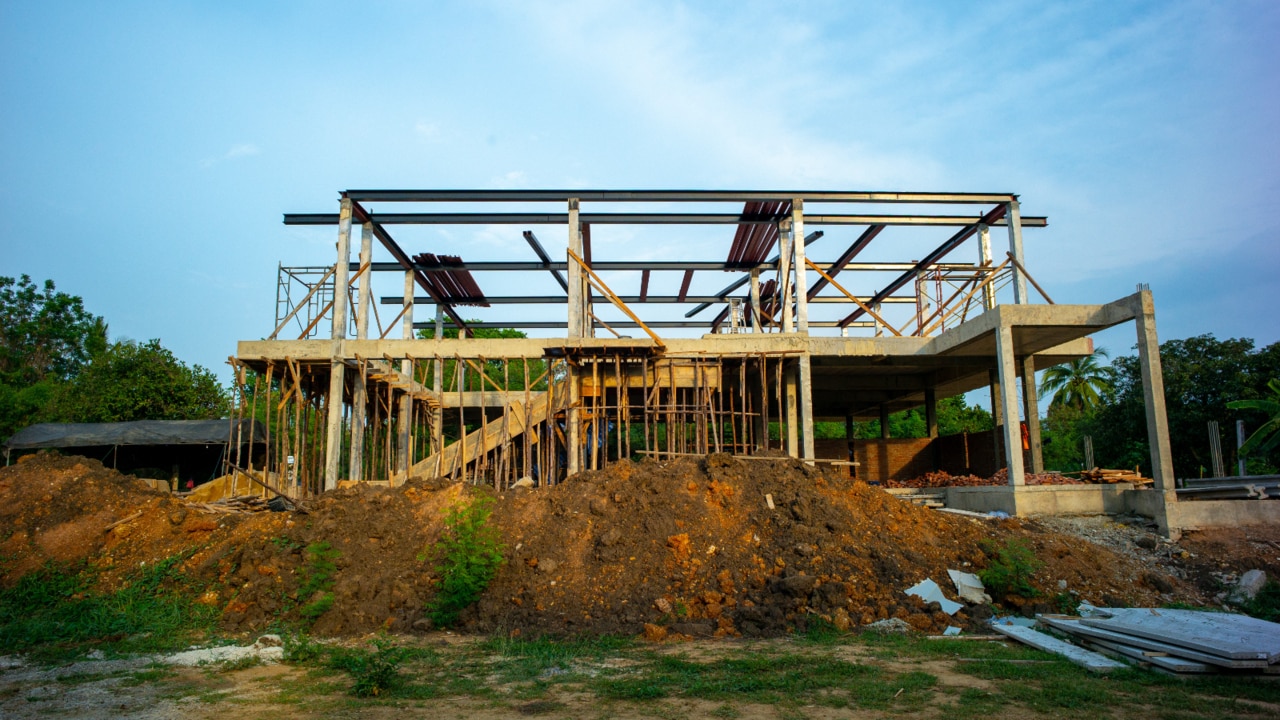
(1181, 641)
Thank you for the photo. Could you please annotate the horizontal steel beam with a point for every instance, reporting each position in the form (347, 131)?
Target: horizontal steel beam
(657, 324)
(628, 299)
(663, 265)
(736, 196)
(646, 219)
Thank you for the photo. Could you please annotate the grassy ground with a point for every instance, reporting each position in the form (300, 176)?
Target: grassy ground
(866, 675)
(53, 619)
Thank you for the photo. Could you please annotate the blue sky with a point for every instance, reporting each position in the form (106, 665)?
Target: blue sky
(149, 149)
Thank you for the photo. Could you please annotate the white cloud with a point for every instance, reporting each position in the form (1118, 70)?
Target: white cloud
(427, 130)
(236, 151)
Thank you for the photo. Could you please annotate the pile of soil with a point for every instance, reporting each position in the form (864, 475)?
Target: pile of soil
(714, 546)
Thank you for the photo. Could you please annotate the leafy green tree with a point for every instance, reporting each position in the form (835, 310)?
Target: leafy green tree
(495, 374)
(1061, 437)
(1266, 437)
(133, 381)
(1201, 376)
(955, 416)
(1082, 383)
(46, 337)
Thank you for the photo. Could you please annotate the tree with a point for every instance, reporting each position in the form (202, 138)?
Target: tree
(954, 417)
(46, 338)
(510, 376)
(1267, 436)
(1081, 383)
(1201, 376)
(132, 381)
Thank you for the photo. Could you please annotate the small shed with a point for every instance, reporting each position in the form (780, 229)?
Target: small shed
(185, 450)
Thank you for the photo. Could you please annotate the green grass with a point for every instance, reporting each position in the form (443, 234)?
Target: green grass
(54, 615)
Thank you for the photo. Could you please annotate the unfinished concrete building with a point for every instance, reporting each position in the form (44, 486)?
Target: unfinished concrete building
(788, 341)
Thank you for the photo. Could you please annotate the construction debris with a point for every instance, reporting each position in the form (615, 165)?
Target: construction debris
(1176, 640)
(1086, 659)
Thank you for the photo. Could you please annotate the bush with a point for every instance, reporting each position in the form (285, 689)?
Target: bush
(374, 672)
(1011, 569)
(1266, 604)
(468, 556)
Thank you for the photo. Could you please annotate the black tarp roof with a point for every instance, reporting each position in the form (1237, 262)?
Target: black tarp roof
(140, 432)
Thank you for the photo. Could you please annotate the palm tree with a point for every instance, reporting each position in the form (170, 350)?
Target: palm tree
(1081, 383)
(1268, 435)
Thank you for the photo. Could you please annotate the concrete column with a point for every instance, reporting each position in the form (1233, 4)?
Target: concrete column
(801, 269)
(1153, 395)
(1031, 410)
(806, 406)
(360, 383)
(997, 413)
(790, 379)
(437, 385)
(931, 411)
(337, 368)
(1014, 218)
(573, 422)
(785, 285)
(755, 300)
(1009, 406)
(802, 322)
(984, 258)
(884, 421)
(405, 436)
(577, 301)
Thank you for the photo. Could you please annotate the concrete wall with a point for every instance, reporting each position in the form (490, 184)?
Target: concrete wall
(1042, 499)
(1197, 514)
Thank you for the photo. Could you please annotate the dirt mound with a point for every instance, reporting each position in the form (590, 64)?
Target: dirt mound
(716, 546)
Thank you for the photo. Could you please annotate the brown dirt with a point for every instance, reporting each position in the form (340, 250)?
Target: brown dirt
(667, 549)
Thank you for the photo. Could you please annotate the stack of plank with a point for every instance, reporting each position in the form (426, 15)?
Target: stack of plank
(1178, 641)
(234, 504)
(1104, 475)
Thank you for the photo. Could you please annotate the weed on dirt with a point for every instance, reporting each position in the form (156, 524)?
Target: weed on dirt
(56, 614)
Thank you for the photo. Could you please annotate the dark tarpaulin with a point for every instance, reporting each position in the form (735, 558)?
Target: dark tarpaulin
(140, 432)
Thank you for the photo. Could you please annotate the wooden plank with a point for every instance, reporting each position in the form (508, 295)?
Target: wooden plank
(1074, 626)
(1087, 659)
(1227, 635)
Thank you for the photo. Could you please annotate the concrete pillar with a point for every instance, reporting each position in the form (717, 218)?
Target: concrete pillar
(1153, 395)
(405, 420)
(785, 285)
(931, 411)
(1014, 217)
(360, 383)
(577, 301)
(1031, 411)
(755, 300)
(884, 421)
(806, 406)
(337, 368)
(437, 385)
(1009, 405)
(984, 258)
(791, 392)
(802, 325)
(801, 269)
(573, 422)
